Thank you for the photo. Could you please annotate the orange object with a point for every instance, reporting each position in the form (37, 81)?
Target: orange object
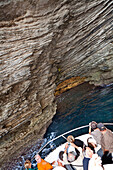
(43, 165)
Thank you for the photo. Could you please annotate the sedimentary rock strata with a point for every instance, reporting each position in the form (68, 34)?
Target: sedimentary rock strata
(43, 43)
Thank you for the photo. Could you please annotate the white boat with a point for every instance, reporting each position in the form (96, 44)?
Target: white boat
(77, 164)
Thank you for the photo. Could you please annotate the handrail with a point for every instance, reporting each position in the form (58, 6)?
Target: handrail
(62, 135)
(108, 123)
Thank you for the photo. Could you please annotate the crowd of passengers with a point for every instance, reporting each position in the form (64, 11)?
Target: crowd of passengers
(91, 156)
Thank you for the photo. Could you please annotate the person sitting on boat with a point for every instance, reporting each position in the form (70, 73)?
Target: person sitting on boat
(42, 164)
(73, 156)
(77, 146)
(95, 132)
(97, 148)
(64, 158)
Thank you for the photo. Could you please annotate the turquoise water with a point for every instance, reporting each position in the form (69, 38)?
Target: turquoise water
(79, 106)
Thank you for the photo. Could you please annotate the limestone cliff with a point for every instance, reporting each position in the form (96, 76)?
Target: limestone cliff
(42, 43)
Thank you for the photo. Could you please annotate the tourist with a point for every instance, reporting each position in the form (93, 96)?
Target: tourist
(27, 165)
(42, 164)
(95, 163)
(77, 142)
(73, 156)
(88, 155)
(91, 160)
(106, 139)
(97, 148)
(71, 147)
(107, 144)
(77, 146)
(95, 132)
(64, 158)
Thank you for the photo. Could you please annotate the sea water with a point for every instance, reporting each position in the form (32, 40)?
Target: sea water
(75, 107)
(78, 107)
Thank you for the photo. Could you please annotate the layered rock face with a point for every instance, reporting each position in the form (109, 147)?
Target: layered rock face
(43, 43)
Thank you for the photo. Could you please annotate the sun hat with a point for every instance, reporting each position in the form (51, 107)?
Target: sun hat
(101, 126)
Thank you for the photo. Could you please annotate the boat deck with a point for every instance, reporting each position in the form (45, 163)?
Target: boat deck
(54, 155)
(78, 164)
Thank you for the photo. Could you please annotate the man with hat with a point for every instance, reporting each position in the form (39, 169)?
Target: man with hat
(95, 132)
(107, 138)
(107, 144)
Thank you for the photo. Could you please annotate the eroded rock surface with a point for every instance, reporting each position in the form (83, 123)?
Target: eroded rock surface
(43, 43)
(68, 84)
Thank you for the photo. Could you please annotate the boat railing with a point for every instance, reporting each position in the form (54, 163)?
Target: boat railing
(62, 135)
